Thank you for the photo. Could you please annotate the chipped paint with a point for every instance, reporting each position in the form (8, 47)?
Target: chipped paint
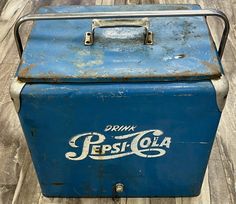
(96, 58)
(213, 68)
(25, 70)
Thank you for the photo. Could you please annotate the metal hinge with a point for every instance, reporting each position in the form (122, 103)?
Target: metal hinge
(15, 90)
(221, 86)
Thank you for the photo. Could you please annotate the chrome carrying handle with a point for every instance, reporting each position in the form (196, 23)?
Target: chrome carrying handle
(111, 23)
(130, 14)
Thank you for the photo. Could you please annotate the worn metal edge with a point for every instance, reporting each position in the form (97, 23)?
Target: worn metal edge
(111, 79)
(221, 87)
(15, 91)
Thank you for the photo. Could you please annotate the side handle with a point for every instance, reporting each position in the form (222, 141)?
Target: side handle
(131, 14)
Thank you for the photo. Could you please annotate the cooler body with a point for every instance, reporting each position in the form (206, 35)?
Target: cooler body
(119, 107)
(154, 138)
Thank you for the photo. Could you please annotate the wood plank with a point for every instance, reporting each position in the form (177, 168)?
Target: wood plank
(6, 193)
(12, 149)
(12, 55)
(226, 135)
(119, 2)
(10, 13)
(27, 189)
(2, 4)
(6, 71)
(104, 2)
(134, 1)
(163, 201)
(219, 192)
(138, 201)
(203, 198)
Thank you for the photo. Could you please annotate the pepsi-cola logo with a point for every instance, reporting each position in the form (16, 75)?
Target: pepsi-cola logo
(97, 146)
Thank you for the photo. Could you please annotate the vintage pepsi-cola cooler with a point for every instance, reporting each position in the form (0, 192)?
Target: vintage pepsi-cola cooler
(120, 100)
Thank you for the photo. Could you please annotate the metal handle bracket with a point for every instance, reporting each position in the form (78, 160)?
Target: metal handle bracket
(111, 23)
(130, 14)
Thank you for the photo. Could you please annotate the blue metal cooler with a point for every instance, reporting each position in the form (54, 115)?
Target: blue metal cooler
(120, 100)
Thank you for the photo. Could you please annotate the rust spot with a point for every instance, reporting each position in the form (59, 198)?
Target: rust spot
(213, 68)
(186, 75)
(24, 71)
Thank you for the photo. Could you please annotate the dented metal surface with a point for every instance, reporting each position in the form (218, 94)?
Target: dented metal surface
(15, 91)
(57, 50)
(221, 86)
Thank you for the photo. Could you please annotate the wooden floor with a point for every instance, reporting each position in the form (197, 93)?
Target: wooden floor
(18, 182)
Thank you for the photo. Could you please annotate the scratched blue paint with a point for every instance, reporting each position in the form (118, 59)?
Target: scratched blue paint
(56, 50)
(52, 114)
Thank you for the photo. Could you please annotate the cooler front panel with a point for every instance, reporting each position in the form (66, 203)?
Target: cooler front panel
(153, 138)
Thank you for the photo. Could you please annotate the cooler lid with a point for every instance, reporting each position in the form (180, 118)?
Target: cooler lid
(182, 49)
